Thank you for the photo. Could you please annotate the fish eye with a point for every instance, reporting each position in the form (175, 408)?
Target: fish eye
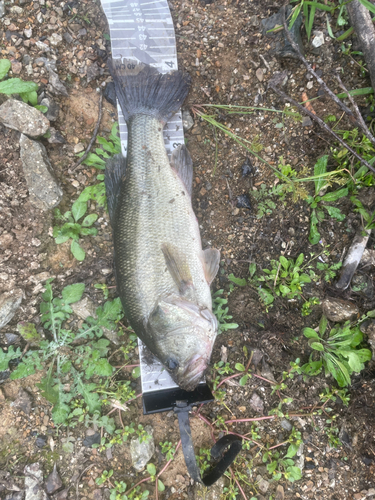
(172, 364)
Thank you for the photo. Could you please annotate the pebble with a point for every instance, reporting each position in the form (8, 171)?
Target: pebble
(310, 85)
(16, 67)
(68, 37)
(285, 424)
(306, 121)
(338, 310)
(187, 121)
(318, 39)
(24, 118)
(2, 8)
(78, 148)
(55, 39)
(259, 74)
(9, 303)
(141, 453)
(263, 485)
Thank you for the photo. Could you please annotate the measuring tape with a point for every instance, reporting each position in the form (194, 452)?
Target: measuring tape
(143, 32)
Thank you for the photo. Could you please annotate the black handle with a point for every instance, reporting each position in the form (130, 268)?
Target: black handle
(233, 442)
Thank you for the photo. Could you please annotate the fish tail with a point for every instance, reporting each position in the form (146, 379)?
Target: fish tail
(143, 90)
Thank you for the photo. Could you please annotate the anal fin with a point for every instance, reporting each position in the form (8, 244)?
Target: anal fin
(182, 163)
(114, 177)
(211, 261)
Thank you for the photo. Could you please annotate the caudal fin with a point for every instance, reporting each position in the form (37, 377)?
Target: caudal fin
(143, 90)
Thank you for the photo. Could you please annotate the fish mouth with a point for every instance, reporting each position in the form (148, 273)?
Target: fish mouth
(193, 373)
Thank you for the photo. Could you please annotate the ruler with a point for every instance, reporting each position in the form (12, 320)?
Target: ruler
(143, 31)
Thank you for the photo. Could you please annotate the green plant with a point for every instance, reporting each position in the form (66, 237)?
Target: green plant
(308, 305)
(203, 459)
(106, 475)
(73, 229)
(337, 352)
(109, 148)
(72, 368)
(26, 90)
(329, 270)
(279, 465)
(318, 203)
(167, 449)
(118, 492)
(220, 309)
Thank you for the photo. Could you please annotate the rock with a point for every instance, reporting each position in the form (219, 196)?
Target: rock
(306, 121)
(34, 483)
(256, 403)
(2, 8)
(53, 481)
(55, 39)
(11, 338)
(61, 495)
(55, 137)
(23, 402)
(4, 376)
(243, 202)
(110, 93)
(318, 39)
(15, 495)
(141, 453)
(339, 310)
(45, 192)
(187, 121)
(16, 67)
(78, 148)
(263, 485)
(259, 74)
(215, 492)
(93, 71)
(247, 168)
(9, 303)
(53, 109)
(280, 45)
(41, 441)
(92, 439)
(68, 37)
(279, 493)
(57, 86)
(266, 371)
(24, 118)
(285, 424)
(28, 34)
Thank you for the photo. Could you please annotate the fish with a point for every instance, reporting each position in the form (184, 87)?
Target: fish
(163, 275)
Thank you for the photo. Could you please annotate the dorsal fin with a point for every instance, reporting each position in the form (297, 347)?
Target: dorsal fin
(211, 261)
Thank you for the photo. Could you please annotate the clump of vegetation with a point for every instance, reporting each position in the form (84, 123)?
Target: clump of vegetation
(336, 351)
(220, 309)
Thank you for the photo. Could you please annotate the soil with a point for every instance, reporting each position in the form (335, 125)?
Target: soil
(221, 46)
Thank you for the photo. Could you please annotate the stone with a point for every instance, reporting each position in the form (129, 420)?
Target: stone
(9, 303)
(45, 192)
(34, 483)
(259, 74)
(16, 67)
(256, 403)
(57, 86)
(55, 137)
(92, 439)
(23, 402)
(141, 453)
(110, 93)
(53, 109)
(280, 45)
(279, 493)
(339, 310)
(53, 481)
(318, 39)
(24, 118)
(68, 37)
(92, 72)
(78, 148)
(263, 485)
(55, 39)
(11, 338)
(28, 33)
(2, 8)
(285, 424)
(306, 121)
(187, 121)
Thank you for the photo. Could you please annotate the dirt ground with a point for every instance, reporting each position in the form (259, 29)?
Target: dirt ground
(220, 44)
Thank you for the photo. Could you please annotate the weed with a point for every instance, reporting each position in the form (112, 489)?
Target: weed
(26, 90)
(220, 309)
(279, 465)
(329, 270)
(167, 449)
(337, 353)
(308, 306)
(109, 148)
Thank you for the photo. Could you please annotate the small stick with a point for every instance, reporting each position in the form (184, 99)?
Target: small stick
(364, 127)
(321, 123)
(93, 138)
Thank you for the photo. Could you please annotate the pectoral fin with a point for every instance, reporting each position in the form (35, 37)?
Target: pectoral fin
(211, 261)
(178, 268)
(182, 163)
(114, 177)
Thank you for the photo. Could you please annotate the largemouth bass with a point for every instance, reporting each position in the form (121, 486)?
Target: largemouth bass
(163, 275)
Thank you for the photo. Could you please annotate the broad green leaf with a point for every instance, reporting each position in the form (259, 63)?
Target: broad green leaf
(299, 260)
(292, 450)
(73, 293)
(335, 213)
(161, 486)
(61, 239)
(364, 355)
(240, 367)
(28, 331)
(314, 235)
(89, 220)
(357, 337)
(31, 97)
(5, 65)
(354, 362)
(295, 473)
(151, 469)
(323, 325)
(335, 195)
(89, 231)
(78, 209)
(49, 390)
(310, 333)
(77, 251)
(60, 413)
(266, 297)
(16, 86)
(136, 372)
(304, 278)
(237, 281)
(243, 380)
(91, 398)
(252, 269)
(319, 169)
(5, 357)
(317, 346)
(284, 290)
(41, 108)
(312, 368)
(284, 262)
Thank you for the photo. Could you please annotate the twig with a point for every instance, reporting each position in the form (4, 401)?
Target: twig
(163, 469)
(248, 419)
(77, 483)
(321, 123)
(83, 157)
(364, 127)
(238, 484)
